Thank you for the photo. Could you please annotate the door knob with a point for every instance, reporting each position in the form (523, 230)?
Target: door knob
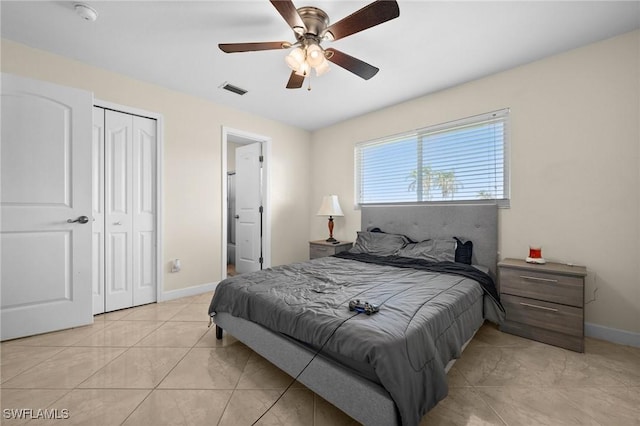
(237, 216)
(81, 219)
(117, 223)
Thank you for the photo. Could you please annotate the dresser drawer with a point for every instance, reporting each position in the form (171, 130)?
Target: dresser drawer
(322, 248)
(545, 315)
(316, 251)
(567, 341)
(564, 289)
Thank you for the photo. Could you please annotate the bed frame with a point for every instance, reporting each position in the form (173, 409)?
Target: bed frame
(366, 401)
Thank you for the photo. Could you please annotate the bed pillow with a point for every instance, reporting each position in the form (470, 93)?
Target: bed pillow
(464, 251)
(438, 250)
(378, 243)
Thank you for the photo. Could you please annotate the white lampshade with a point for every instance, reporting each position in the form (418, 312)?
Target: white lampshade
(315, 55)
(295, 59)
(322, 68)
(303, 70)
(330, 206)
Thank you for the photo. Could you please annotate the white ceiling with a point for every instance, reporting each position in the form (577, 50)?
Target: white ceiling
(430, 47)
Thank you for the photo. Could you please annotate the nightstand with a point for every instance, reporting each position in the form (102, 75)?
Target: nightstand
(543, 302)
(321, 248)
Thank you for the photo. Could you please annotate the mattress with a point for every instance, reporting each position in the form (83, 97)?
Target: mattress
(425, 317)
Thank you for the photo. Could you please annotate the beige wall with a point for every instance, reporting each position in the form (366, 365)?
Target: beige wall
(575, 180)
(575, 167)
(192, 163)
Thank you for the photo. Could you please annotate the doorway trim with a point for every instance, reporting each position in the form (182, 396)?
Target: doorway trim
(159, 179)
(247, 137)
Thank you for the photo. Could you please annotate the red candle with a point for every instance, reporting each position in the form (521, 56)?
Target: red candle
(535, 252)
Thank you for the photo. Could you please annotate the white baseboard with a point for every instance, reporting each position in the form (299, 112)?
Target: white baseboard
(614, 335)
(186, 292)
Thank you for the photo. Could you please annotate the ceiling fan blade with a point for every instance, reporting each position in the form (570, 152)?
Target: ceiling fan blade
(289, 12)
(295, 81)
(369, 16)
(349, 63)
(252, 47)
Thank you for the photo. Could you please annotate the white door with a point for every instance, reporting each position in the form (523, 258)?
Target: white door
(118, 211)
(248, 208)
(97, 241)
(45, 182)
(144, 210)
(124, 210)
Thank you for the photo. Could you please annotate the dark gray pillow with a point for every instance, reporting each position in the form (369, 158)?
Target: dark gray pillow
(438, 250)
(464, 251)
(378, 243)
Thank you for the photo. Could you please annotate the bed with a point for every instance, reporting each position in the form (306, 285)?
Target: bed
(389, 367)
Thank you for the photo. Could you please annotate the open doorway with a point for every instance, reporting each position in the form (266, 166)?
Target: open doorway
(246, 225)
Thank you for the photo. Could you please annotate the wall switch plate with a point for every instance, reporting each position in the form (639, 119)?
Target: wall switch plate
(176, 266)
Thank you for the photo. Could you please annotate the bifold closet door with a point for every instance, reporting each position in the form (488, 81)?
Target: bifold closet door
(144, 191)
(97, 241)
(118, 225)
(128, 215)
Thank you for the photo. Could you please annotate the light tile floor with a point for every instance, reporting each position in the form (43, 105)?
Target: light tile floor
(160, 364)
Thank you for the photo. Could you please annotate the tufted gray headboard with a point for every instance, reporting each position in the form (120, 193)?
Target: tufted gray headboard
(475, 222)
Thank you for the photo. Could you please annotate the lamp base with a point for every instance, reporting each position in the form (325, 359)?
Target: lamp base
(331, 240)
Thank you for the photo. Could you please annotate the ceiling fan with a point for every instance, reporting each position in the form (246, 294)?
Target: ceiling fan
(311, 27)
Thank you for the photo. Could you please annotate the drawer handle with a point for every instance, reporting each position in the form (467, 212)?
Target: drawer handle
(544, 308)
(321, 249)
(526, 277)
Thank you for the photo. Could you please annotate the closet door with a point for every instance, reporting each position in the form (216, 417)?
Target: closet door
(97, 202)
(144, 214)
(118, 210)
(124, 210)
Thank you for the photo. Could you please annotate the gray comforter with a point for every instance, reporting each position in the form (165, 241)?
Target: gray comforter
(403, 342)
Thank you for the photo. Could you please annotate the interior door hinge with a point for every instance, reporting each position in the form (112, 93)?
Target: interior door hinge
(261, 158)
(260, 210)
(261, 260)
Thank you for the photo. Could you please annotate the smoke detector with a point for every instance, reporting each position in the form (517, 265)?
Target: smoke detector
(86, 12)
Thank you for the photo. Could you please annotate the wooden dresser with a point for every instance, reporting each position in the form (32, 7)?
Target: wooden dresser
(321, 248)
(544, 302)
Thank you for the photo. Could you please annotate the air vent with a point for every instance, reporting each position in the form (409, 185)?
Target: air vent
(235, 89)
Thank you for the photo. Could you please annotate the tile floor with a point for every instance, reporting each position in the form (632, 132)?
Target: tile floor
(160, 364)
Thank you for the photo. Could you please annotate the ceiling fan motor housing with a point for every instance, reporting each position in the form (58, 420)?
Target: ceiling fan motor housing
(316, 20)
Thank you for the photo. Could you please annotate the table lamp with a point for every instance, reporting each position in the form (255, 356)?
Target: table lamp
(330, 207)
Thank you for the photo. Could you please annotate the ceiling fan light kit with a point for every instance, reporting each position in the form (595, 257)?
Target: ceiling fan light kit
(301, 60)
(311, 27)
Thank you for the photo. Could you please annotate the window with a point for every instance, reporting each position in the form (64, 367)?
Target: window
(457, 162)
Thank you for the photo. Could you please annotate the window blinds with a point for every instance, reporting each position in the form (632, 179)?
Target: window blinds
(456, 162)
